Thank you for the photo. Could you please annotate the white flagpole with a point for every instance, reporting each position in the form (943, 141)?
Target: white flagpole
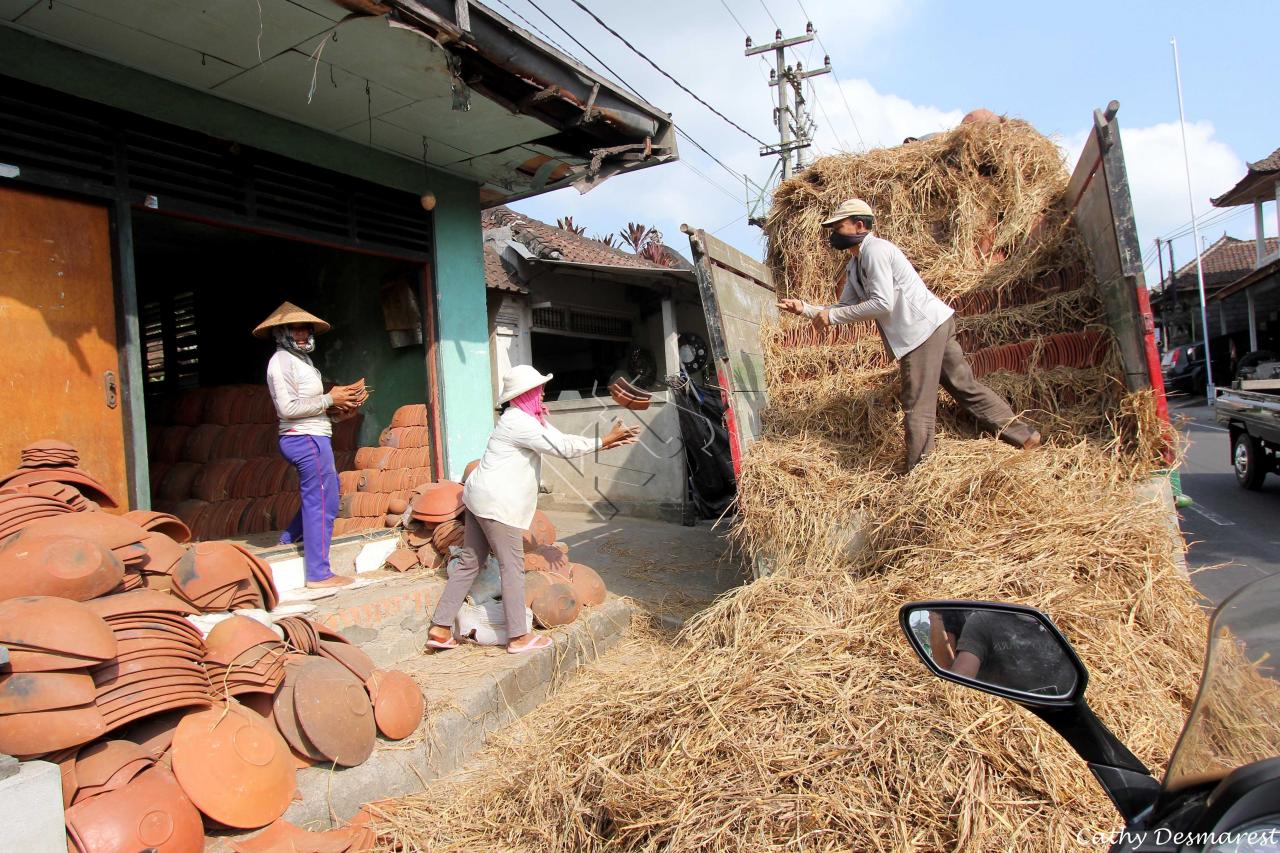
(1195, 227)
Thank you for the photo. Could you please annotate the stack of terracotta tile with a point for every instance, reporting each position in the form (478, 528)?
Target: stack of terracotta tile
(22, 504)
(384, 477)
(217, 463)
(54, 462)
(158, 661)
(48, 699)
(243, 656)
(223, 576)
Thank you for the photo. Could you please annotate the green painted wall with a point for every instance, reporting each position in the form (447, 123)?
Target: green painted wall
(463, 353)
(463, 325)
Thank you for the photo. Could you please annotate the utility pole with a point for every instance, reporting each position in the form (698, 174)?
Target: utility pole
(795, 128)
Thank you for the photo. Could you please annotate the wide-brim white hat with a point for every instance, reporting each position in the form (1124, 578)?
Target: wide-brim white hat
(521, 378)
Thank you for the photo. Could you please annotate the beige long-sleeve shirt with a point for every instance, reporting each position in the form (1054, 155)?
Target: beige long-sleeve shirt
(882, 285)
(298, 393)
(504, 487)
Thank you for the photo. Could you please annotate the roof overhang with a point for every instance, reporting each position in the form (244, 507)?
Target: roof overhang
(1261, 274)
(445, 83)
(1253, 187)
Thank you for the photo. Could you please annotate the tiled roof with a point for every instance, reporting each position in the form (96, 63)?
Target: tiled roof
(1224, 262)
(1257, 184)
(1267, 164)
(552, 243)
(497, 276)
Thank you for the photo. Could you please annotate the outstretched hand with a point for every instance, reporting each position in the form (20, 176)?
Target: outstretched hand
(791, 306)
(620, 436)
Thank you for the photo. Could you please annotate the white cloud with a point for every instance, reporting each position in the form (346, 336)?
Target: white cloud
(666, 196)
(1158, 183)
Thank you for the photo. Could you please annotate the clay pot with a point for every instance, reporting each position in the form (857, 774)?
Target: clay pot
(535, 583)
(535, 562)
(45, 731)
(58, 625)
(471, 466)
(397, 704)
(151, 812)
(555, 605)
(587, 585)
(234, 766)
(402, 560)
(232, 637)
(29, 692)
(160, 522)
(541, 532)
(334, 711)
(66, 567)
(438, 502)
(979, 116)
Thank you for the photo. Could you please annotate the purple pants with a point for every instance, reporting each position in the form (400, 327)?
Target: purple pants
(312, 455)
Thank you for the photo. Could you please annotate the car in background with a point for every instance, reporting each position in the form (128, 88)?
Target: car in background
(1183, 366)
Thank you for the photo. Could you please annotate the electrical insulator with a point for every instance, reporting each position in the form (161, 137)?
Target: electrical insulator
(808, 28)
(826, 60)
(777, 35)
(748, 42)
(773, 75)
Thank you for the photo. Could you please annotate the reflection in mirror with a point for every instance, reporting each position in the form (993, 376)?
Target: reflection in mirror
(998, 648)
(1236, 718)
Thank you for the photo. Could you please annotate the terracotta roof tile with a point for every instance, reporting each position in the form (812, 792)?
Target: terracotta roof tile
(497, 276)
(1225, 261)
(548, 241)
(1267, 164)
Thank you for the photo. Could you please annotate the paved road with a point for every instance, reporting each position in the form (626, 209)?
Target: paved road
(1227, 526)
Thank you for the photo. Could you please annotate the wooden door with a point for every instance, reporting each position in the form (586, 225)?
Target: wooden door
(58, 352)
(738, 297)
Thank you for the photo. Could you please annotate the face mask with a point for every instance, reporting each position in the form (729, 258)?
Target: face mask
(846, 241)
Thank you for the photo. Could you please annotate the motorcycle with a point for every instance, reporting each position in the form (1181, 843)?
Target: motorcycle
(1221, 791)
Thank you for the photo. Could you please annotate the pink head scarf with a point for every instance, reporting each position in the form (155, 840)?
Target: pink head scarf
(530, 402)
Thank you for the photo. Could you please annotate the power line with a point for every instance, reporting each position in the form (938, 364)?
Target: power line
(633, 90)
(534, 27)
(836, 78)
(663, 72)
(770, 14)
(709, 180)
(735, 18)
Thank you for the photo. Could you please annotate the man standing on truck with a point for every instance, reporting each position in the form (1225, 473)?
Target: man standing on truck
(918, 329)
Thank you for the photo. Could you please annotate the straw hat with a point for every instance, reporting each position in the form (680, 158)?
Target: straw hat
(286, 315)
(519, 379)
(847, 208)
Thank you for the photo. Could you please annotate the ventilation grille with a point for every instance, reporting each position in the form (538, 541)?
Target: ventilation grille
(35, 136)
(582, 322)
(186, 342)
(153, 356)
(69, 138)
(599, 325)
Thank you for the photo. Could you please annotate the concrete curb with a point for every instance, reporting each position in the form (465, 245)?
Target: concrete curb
(449, 737)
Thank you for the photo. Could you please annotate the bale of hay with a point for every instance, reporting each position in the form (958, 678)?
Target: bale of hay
(792, 714)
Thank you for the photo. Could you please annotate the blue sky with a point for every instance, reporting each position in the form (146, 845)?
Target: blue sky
(914, 66)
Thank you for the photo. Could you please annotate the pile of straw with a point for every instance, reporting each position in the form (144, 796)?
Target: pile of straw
(792, 714)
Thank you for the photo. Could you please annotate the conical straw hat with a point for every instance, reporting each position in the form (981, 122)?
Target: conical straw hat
(287, 314)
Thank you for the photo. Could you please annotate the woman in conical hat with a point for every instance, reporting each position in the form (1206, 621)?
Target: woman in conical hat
(500, 497)
(306, 432)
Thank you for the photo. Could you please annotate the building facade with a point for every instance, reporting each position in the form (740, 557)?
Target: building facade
(169, 175)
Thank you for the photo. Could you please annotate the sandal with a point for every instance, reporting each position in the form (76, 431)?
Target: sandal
(540, 642)
(442, 645)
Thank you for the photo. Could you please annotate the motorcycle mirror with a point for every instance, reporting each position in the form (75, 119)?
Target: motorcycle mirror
(1008, 650)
